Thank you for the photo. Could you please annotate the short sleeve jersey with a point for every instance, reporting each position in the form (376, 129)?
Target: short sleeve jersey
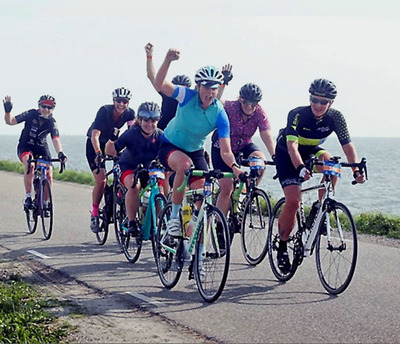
(36, 128)
(304, 128)
(139, 149)
(191, 124)
(242, 132)
(105, 122)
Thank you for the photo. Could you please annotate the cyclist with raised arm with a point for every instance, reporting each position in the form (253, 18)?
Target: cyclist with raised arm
(108, 121)
(307, 128)
(33, 139)
(245, 117)
(198, 114)
(140, 145)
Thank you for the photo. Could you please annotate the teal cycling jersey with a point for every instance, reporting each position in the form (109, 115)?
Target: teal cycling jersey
(192, 124)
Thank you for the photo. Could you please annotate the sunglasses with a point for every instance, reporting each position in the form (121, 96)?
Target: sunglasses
(48, 107)
(121, 100)
(319, 100)
(248, 102)
(149, 119)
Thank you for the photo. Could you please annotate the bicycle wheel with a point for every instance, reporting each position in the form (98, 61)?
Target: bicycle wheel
(105, 213)
(159, 203)
(46, 209)
(169, 256)
(256, 216)
(119, 214)
(31, 218)
(336, 260)
(212, 255)
(273, 244)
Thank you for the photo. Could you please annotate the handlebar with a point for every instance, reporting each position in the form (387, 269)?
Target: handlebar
(104, 159)
(154, 164)
(31, 161)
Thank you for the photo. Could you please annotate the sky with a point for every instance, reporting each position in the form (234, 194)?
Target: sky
(79, 51)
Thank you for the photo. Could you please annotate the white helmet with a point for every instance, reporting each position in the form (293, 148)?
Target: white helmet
(122, 92)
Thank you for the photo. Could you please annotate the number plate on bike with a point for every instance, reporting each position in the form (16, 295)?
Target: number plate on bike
(43, 163)
(256, 164)
(156, 173)
(333, 169)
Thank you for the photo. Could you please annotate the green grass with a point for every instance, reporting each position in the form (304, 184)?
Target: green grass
(23, 315)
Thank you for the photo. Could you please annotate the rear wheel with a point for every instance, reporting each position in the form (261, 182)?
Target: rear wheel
(46, 209)
(169, 252)
(119, 213)
(256, 216)
(336, 259)
(273, 244)
(212, 255)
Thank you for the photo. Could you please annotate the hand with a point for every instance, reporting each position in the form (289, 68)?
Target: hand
(359, 177)
(173, 54)
(7, 104)
(99, 157)
(227, 73)
(303, 172)
(149, 50)
(62, 157)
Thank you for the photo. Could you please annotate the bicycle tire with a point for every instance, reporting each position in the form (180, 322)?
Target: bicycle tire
(131, 245)
(119, 214)
(337, 261)
(169, 264)
(256, 216)
(104, 217)
(31, 218)
(46, 214)
(273, 244)
(211, 264)
(159, 203)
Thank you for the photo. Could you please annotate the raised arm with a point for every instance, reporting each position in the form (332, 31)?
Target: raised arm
(151, 73)
(9, 119)
(161, 83)
(227, 72)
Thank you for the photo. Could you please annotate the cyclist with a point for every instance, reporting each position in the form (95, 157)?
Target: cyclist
(198, 114)
(108, 121)
(245, 116)
(141, 143)
(307, 127)
(33, 140)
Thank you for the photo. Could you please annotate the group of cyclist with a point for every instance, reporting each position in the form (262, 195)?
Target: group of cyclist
(175, 134)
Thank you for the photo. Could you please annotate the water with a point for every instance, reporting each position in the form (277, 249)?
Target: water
(380, 193)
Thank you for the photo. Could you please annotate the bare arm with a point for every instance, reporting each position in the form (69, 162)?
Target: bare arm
(151, 73)
(268, 140)
(95, 140)
(161, 84)
(297, 161)
(110, 148)
(227, 155)
(57, 144)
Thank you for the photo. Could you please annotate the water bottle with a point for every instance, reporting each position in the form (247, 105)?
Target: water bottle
(191, 224)
(186, 215)
(145, 198)
(311, 215)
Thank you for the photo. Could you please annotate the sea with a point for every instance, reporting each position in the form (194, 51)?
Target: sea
(381, 193)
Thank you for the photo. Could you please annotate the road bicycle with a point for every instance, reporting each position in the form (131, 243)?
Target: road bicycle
(328, 228)
(249, 214)
(42, 205)
(206, 251)
(152, 201)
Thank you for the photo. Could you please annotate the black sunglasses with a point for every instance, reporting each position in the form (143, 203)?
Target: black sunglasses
(121, 100)
(319, 100)
(46, 107)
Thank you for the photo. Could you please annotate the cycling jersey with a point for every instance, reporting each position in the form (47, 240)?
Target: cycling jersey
(191, 124)
(34, 135)
(168, 110)
(241, 132)
(105, 123)
(139, 149)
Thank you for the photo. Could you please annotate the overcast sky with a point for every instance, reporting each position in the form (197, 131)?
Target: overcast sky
(80, 50)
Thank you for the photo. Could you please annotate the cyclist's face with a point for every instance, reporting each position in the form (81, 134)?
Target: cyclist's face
(45, 110)
(207, 95)
(121, 104)
(320, 105)
(148, 125)
(248, 107)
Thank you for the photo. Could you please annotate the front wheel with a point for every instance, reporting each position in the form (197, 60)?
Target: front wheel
(46, 209)
(159, 203)
(256, 216)
(273, 244)
(212, 255)
(336, 258)
(105, 214)
(119, 214)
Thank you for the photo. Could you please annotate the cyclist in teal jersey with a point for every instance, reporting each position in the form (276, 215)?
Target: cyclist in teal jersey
(197, 115)
(307, 127)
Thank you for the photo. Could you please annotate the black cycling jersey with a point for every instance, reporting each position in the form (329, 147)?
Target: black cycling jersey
(36, 129)
(168, 110)
(105, 123)
(139, 149)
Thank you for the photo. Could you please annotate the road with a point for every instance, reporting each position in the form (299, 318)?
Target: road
(253, 308)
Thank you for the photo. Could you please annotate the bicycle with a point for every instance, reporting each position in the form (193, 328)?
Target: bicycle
(152, 201)
(329, 228)
(250, 215)
(43, 202)
(207, 250)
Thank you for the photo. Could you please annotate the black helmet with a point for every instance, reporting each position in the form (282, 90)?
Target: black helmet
(323, 88)
(149, 110)
(251, 92)
(183, 80)
(47, 100)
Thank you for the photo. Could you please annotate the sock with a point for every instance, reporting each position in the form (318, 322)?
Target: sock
(175, 210)
(95, 210)
(28, 194)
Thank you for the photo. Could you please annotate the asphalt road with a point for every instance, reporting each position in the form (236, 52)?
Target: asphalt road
(253, 308)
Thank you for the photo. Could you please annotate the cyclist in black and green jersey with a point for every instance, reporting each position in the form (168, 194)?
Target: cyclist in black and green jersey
(307, 128)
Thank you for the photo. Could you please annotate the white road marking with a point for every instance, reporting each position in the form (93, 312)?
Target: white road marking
(38, 254)
(146, 299)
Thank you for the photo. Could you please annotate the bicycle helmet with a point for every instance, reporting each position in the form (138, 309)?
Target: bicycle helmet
(323, 88)
(251, 92)
(182, 80)
(47, 100)
(122, 92)
(209, 76)
(149, 110)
